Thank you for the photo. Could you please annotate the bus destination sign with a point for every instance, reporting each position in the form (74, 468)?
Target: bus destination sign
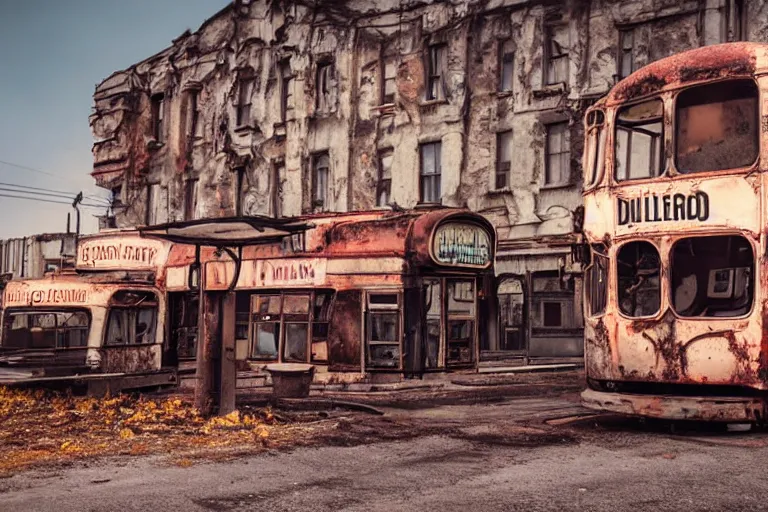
(663, 208)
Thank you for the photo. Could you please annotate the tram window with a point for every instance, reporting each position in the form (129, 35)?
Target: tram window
(132, 318)
(383, 330)
(712, 276)
(639, 270)
(717, 127)
(639, 141)
(594, 152)
(65, 329)
(597, 284)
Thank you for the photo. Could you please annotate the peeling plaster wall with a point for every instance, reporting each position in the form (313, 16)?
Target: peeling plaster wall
(252, 38)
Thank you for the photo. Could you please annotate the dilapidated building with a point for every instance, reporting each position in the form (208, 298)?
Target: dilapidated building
(282, 108)
(33, 256)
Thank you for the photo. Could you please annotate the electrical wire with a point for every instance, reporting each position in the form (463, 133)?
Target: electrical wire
(66, 194)
(19, 166)
(52, 201)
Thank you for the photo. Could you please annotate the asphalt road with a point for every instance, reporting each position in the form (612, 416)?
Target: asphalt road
(492, 457)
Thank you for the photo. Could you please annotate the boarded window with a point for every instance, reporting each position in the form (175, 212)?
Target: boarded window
(383, 330)
(158, 117)
(435, 70)
(245, 92)
(503, 159)
(506, 65)
(717, 127)
(556, 50)
(320, 179)
(384, 185)
(558, 156)
(639, 269)
(639, 145)
(626, 53)
(324, 87)
(389, 81)
(431, 170)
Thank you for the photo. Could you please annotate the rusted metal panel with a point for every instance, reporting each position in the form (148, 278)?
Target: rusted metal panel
(345, 333)
(129, 359)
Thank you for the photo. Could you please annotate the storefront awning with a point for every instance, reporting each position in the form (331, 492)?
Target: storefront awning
(226, 232)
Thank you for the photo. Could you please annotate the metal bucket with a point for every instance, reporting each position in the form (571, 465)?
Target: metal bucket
(291, 380)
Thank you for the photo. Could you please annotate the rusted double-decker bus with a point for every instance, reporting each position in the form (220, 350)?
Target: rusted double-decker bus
(676, 222)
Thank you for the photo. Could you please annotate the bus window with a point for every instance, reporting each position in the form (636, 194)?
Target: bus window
(639, 269)
(596, 286)
(639, 141)
(712, 276)
(132, 318)
(594, 152)
(717, 127)
(52, 329)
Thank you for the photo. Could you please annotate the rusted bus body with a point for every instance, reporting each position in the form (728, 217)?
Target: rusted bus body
(66, 327)
(676, 287)
(364, 295)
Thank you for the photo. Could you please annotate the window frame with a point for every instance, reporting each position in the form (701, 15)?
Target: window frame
(321, 192)
(243, 113)
(323, 85)
(568, 180)
(384, 185)
(191, 194)
(550, 60)
(437, 176)
(615, 269)
(386, 98)
(506, 57)
(286, 91)
(276, 189)
(625, 53)
(503, 167)
(8, 313)
(384, 309)
(158, 117)
(588, 283)
(663, 136)
(435, 71)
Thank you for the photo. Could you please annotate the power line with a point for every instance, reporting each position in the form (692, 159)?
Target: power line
(99, 206)
(67, 194)
(25, 167)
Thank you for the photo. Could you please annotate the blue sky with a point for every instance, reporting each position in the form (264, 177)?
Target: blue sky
(52, 55)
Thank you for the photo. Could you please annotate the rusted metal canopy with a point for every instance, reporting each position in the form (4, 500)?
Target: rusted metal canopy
(227, 231)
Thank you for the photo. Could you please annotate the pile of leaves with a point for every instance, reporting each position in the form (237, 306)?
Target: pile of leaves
(47, 427)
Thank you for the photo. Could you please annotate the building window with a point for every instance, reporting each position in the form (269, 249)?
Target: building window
(193, 125)
(383, 330)
(388, 81)
(324, 87)
(506, 65)
(503, 159)
(430, 172)
(552, 302)
(626, 53)
(286, 89)
(276, 189)
(151, 208)
(190, 198)
(244, 93)
(735, 20)
(158, 117)
(639, 272)
(558, 155)
(320, 179)
(384, 185)
(435, 69)
(556, 50)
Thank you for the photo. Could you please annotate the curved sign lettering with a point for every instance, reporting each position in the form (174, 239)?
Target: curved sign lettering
(121, 253)
(461, 245)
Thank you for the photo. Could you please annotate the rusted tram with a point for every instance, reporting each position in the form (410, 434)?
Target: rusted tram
(675, 227)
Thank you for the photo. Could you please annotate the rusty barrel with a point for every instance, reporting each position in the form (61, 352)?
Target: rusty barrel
(291, 380)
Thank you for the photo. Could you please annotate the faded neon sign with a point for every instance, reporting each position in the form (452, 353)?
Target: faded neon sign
(462, 244)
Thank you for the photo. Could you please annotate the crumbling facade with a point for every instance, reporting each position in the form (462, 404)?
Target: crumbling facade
(33, 256)
(282, 108)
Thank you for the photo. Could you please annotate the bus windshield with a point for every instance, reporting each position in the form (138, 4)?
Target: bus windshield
(717, 127)
(46, 329)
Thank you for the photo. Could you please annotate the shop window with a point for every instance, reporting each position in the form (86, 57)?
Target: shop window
(639, 268)
(639, 143)
(506, 65)
(49, 330)
(320, 177)
(712, 276)
(717, 127)
(556, 54)
(511, 303)
(435, 66)
(431, 172)
(383, 330)
(626, 53)
(158, 117)
(596, 286)
(503, 159)
(132, 318)
(558, 158)
(434, 318)
(265, 326)
(384, 185)
(461, 321)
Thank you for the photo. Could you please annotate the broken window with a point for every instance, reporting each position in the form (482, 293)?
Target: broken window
(383, 330)
(384, 185)
(506, 65)
(152, 206)
(46, 330)
(389, 81)
(712, 276)
(594, 151)
(511, 303)
(431, 170)
(184, 318)
(435, 69)
(460, 335)
(626, 53)
(639, 143)
(190, 198)
(286, 90)
(158, 117)
(132, 318)
(557, 45)
(193, 123)
(320, 178)
(276, 189)
(244, 94)
(717, 127)
(552, 302)
(558, 158)
(324, 87)
(596, 285)
(639, 269)
(503, 159)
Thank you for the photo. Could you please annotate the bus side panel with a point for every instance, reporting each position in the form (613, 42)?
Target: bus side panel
(345, 332)
(130, 359)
